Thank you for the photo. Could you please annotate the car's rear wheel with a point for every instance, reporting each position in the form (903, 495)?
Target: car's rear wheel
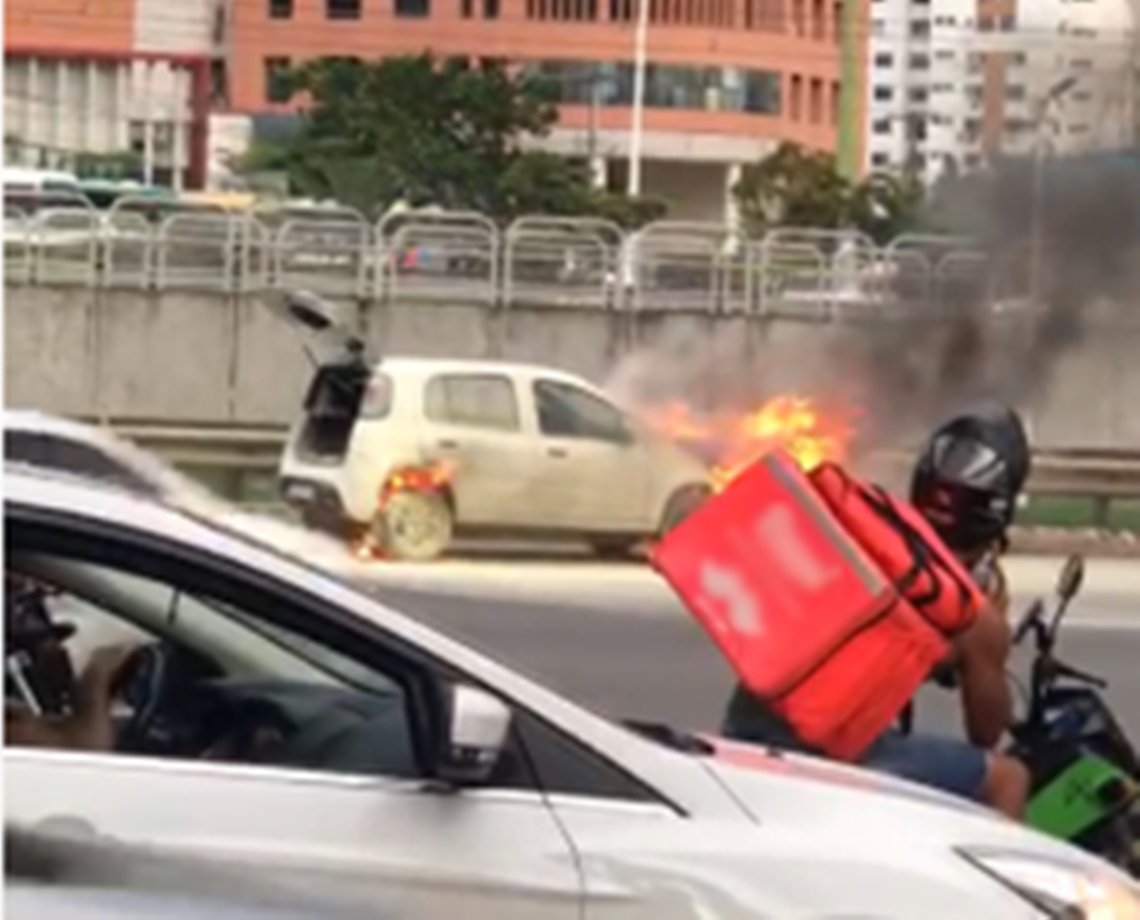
(414, 526)
(681, 504)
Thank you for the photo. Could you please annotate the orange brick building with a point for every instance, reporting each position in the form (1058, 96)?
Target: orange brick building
(726, 80)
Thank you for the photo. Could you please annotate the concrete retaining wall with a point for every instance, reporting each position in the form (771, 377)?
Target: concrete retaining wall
(199, 357)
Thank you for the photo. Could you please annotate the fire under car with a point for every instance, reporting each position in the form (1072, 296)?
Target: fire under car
(405, 454)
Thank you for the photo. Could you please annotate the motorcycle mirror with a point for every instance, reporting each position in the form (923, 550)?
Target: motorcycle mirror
(1071, 577)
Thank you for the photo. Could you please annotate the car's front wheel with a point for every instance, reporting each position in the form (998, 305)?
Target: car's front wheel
(414, 526)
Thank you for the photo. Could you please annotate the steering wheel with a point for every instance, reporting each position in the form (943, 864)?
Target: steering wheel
(142, 683)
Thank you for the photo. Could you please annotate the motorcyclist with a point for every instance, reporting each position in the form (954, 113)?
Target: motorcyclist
(966, 484)
(45, 704)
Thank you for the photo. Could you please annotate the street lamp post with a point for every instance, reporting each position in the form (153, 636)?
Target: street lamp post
(641, 35)
(1037, 203)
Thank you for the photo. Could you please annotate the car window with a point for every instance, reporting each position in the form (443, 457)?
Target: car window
(475, 400)
(239, 685)
(567, 411)
(52, 452)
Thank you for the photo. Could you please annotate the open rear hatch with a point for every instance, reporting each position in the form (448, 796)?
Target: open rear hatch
(341, 378)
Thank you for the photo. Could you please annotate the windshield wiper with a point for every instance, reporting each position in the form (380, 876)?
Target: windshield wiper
(670, 737)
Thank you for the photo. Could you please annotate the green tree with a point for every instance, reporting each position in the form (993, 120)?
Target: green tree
(424, 131)
(793, 187)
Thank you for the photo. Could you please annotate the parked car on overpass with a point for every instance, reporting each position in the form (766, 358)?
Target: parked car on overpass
(279, 719)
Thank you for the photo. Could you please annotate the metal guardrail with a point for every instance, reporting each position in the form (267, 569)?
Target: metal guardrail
(1100, 476)
(441, 256)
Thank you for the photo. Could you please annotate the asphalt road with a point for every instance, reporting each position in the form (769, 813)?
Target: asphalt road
(651, 661)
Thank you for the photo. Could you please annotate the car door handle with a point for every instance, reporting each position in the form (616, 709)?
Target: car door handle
(447, 444)
(559, 452)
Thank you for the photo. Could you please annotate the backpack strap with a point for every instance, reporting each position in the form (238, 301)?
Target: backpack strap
(925, 557)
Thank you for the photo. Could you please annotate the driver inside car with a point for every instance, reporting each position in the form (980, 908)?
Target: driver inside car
(966, 484)
(46, 704)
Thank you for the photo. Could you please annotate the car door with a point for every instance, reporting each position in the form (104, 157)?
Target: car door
(593, 471)
(369, 837)
(473, 423)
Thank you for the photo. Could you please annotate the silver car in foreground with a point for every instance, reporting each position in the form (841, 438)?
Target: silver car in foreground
(278, 720)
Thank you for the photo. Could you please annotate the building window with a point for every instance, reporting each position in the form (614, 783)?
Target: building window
(881, 126)
(920, 62)
(467, 8)
(797, 101)
(815, 100)
(491, 9)
(1015, 92)
(280, 9)
(880, 160)
(884, 94)
(818, 20)
(342, 9)
(920, 29)
(884, 60)
(413, 9)
(278, 86)
(219, 84)
(798, 16)
(713, 89)
(919, 94)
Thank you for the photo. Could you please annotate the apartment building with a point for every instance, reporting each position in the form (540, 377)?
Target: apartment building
(953, 84)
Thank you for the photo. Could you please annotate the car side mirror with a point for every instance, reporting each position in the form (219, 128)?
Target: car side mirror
(1071, 577)
(475, 732)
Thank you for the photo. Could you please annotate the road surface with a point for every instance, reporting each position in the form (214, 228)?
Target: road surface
(638, 654)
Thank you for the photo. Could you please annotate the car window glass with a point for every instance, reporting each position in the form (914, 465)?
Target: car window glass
(476, 400)
(239, 687)
(567, 411)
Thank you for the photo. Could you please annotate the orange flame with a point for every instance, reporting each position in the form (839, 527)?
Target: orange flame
(733, 441)
(432, 476)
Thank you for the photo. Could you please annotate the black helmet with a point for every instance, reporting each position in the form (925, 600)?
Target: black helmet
(970, 474)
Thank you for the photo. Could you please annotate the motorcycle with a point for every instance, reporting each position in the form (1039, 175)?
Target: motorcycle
(1085, 772)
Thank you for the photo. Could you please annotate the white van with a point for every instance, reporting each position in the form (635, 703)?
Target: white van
(413, 451)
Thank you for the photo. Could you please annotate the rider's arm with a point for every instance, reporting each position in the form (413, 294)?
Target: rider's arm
(982, 654)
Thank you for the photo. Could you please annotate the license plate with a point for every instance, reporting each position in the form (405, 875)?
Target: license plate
(301, 491)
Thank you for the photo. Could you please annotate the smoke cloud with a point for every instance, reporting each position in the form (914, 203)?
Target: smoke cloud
(967, 330)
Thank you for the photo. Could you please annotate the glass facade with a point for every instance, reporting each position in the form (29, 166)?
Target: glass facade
(710, 89)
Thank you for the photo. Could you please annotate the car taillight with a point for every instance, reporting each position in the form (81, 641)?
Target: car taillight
(377, 399)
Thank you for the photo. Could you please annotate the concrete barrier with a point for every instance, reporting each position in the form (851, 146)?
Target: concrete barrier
(196, 356)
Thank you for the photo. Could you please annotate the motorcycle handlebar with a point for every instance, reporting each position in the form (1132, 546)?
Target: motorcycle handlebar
(1031, 619)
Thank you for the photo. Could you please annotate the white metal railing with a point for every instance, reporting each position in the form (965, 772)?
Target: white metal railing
(440, 256)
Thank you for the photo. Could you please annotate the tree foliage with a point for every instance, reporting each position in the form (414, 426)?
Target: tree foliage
(423, 131)
(799, 188)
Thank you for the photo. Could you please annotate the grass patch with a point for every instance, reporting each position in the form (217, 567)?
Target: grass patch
(1060, 511)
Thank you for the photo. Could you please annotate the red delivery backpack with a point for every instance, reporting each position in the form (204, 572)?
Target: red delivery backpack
(806, 586)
